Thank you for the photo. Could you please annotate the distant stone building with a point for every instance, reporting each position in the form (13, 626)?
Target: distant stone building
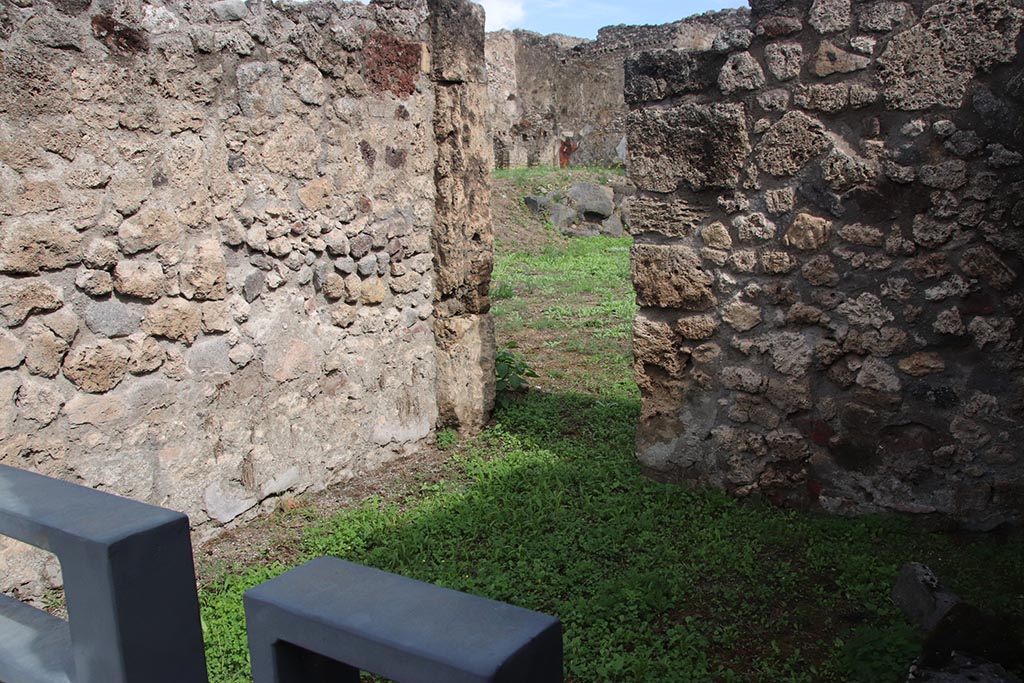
(546, 90)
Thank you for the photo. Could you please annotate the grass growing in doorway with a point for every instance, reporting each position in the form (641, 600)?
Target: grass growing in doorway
(656, 583)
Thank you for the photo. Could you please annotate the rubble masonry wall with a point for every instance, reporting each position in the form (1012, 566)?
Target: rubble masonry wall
(219, 233)
(830, 237)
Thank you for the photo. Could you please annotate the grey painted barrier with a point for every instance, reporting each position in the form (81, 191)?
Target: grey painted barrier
(129, 583)
(133, 612)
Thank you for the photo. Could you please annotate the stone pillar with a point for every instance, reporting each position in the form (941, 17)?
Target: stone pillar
(462, 237)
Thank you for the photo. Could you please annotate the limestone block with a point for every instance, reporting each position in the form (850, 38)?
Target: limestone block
(334, 287)
(146, 354)
(696, 327)
(716, 236)
(830, 16)
(45, 351)
(669, 217)
(780, 201)
(866, 310)
(140, 279)
(259, 89)
(229, 10)
(27, 247)
(147, 230)
(704, 146)
(173, 318)
(791, 143)
(878, 375)
(38, 401)
(22, 298)
(96, 367)
(741, 72)
(784, 60)
(284, 362)
(983, 263)
(216, 316)
(292, 149)
(886, 16)
(94, 282)
(656, 344)
(922, 363)
(671, 277)
(947, 175)
(12, 350)
(203, 272)
(741, 315)
(831, 60)
(807, 232)
(373, 291)
(100, 254)
(826, 97)
(914, 73)
(242, 354)
(308, 83)
(843, 171)
(820, 272)
(753, 227)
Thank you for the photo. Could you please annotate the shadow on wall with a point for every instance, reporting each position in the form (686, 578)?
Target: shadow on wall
(829, 258)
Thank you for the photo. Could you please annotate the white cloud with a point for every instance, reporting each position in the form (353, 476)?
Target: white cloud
(503, 13)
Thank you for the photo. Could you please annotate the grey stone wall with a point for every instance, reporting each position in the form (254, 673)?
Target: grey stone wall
(218, 234)
(545, 89)
(830, 237)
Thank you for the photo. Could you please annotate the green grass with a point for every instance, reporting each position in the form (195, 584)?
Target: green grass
(548, 509)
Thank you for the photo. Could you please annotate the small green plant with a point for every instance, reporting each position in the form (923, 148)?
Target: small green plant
(502, 290)
(446, 438)
(510, 370)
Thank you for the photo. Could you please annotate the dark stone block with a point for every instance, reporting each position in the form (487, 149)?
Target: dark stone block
(661, 74)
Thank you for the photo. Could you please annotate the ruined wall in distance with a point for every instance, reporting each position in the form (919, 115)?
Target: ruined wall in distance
(544, 89)
(830, 239)
(217, 246)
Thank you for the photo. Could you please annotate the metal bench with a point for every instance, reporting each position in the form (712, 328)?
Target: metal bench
(129, 582)
(329, 619)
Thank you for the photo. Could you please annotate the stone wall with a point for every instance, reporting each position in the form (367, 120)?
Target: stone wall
(830, 237)
(546, 89)
(219, 228)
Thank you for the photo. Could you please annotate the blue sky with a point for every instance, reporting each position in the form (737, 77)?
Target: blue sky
(582, 18)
